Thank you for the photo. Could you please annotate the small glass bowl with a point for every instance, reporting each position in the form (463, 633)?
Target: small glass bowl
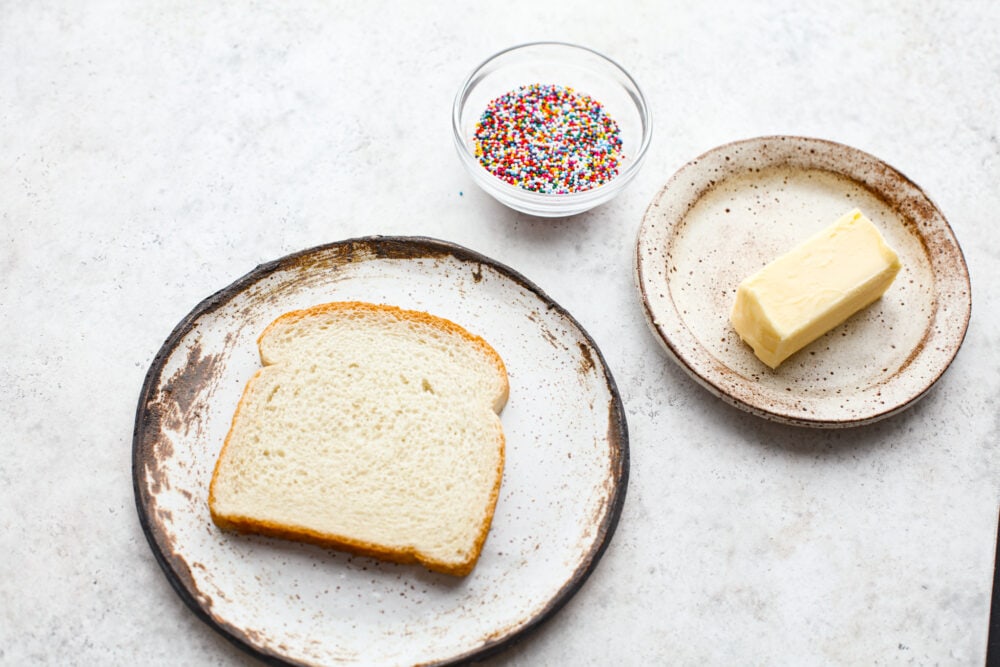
(556, 63)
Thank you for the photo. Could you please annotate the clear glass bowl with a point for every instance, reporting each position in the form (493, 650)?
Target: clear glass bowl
(556, 63)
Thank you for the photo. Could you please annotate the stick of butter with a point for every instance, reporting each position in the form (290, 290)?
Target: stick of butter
(814, 287)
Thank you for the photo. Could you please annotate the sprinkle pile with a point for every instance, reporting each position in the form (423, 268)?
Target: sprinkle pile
(548, 139)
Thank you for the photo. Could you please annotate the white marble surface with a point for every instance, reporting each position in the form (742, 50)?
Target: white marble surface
(152, 152)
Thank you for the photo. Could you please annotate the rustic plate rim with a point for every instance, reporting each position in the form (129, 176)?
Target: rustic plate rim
(758, 409)
(618, 441)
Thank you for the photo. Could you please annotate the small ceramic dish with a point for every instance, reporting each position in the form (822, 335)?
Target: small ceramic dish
(731, 211)
(553, 63)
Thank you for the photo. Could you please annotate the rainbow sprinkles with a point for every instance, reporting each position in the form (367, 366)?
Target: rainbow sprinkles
(548, 139)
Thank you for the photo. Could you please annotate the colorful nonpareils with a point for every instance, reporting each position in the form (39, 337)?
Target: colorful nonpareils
(548, 139)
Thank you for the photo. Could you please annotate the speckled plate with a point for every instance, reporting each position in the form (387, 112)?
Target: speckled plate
(562, 492)
(731, 211)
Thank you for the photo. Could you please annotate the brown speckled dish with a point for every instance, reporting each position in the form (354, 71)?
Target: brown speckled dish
(729, 212)
(289, 603)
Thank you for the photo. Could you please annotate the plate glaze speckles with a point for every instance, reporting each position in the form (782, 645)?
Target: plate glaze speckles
(731, 211)
(562, 492)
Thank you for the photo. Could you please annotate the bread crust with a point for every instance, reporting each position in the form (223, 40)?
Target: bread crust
(244, 524)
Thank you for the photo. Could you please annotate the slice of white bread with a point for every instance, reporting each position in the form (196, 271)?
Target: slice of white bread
(369, 429)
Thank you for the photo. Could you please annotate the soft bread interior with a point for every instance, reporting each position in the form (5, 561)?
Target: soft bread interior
(370, 428)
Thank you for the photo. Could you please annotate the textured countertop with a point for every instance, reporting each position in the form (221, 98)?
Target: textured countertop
(152, 152)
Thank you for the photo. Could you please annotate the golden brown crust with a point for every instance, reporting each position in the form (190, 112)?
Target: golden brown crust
(247, 390)
(340, 543)
(259, 527)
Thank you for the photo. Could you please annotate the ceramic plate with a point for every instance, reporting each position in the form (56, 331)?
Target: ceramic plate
(562, 491)
(731, 211)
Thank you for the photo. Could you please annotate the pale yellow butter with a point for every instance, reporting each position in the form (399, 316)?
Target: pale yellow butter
(814, 287)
